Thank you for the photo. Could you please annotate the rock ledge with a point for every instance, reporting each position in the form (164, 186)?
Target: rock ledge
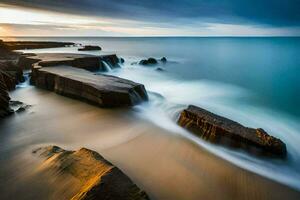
(218, 129)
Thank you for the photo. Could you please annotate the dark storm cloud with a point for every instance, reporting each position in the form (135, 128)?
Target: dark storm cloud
(264, 12)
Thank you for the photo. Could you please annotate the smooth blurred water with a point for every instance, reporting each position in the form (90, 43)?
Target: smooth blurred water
(254, 81)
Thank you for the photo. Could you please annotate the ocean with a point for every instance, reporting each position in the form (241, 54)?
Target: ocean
(254, 81)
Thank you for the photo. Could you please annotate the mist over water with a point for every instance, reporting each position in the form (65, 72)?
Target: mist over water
(254, 81)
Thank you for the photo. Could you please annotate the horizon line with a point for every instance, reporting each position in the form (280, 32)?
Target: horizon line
(162, 36)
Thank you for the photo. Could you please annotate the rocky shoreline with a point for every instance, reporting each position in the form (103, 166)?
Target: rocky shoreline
(72, 75)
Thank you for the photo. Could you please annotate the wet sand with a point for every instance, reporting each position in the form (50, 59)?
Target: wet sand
(164, 164)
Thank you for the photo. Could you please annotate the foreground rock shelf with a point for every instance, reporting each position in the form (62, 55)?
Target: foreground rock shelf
(99, 179)
(67, 74)
(218, 129)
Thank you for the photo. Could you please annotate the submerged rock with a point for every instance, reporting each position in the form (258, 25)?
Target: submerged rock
(18, 106)
(98, 178)
(90, 48)
(159, 69)
(218, 129)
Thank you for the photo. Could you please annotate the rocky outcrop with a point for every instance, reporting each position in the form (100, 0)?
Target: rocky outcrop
(90, 48)
(153, 61)
(98, 178)
(13, 70)
(4, 97)
(101, 90)
(87, 62)
(221, 130)
(18, 45)
(66, 74)
(149, 61)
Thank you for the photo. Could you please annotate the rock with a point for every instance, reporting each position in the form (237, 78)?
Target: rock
(98, 178)
(149, 61)
(101, 90)
(122, 60)
(12, 69)
(18, 45)
(221, 130)
(160, 69)
(25, 62)
(88, 62)
(112, 60)
(18, 106)
(163, 59)
(90, 48)
(4, 97)
(65, 75)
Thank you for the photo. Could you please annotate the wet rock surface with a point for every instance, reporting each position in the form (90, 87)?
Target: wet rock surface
(98, 178)
(221, 130)
(90, 48)
(66, 74)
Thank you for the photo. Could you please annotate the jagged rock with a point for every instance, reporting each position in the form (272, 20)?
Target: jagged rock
(60, 73)
(98, 178)
(149, 61)
(218, 129)
(90, 48)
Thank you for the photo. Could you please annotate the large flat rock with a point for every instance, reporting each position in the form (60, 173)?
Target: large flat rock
(98, 178)
(68, 75)
(218, 129)
(84, 61)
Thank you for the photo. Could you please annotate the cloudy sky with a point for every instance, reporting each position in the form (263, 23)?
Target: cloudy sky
(149, 17)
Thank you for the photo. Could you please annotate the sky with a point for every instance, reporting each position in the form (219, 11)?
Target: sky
(150, 18)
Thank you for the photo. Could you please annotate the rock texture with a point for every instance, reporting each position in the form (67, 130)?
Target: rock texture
(218, 129)
(4, 97)
(66, 74)
(99, 179)
(90, 48)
